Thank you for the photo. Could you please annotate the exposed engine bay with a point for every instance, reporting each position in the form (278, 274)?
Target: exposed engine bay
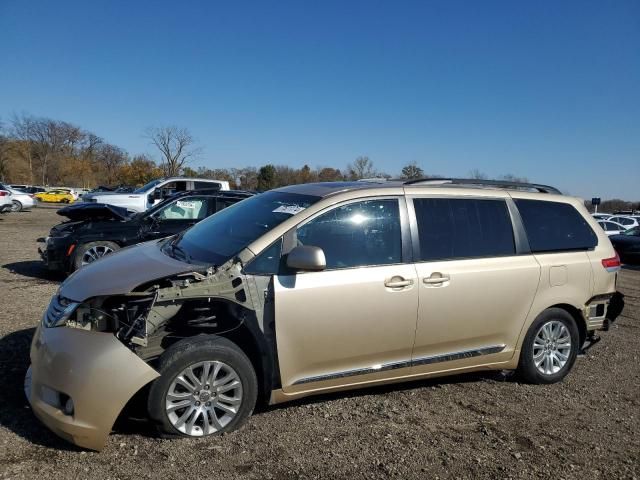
(155, 315)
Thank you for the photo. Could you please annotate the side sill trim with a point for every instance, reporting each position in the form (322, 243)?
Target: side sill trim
(446, 357)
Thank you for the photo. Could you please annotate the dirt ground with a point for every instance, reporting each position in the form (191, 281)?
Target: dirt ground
(474, 426)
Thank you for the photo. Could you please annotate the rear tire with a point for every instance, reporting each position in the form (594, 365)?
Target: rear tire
(550, 347)
(16, 206)
(92, 251)
(201, 378)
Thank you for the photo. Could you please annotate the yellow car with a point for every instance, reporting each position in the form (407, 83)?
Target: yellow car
(56, 196)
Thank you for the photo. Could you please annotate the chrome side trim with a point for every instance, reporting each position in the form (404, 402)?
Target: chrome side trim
(447, 357)
(357, 371)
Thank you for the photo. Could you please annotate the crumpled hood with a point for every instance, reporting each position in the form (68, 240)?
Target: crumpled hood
(94, 211)
(121, 272)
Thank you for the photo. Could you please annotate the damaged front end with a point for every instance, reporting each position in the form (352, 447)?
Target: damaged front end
(150, 318)
(144, 323)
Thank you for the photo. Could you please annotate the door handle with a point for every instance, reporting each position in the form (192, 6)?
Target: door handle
(436, 279)
(397, 282)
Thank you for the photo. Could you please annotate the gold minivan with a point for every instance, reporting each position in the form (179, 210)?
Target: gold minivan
(322, 287)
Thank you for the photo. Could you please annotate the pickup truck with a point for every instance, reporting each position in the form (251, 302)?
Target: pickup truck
(154, 192)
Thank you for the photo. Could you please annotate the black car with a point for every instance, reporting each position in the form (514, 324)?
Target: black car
(627, 244)
(97, 229)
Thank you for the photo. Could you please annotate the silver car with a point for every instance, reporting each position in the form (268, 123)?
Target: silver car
(19, 200)
(5, 201)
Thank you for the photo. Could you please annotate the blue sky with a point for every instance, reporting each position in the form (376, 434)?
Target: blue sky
(548, 90)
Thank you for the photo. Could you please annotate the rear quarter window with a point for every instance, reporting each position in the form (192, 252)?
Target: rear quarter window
(555, 226)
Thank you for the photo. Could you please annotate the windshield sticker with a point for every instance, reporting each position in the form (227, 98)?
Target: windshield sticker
(289, 209)
(183, 204)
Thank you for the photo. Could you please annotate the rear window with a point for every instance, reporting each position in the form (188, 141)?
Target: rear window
(555, 226)
(451, 228)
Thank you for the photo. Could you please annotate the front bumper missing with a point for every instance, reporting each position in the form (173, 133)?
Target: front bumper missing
(94, 369)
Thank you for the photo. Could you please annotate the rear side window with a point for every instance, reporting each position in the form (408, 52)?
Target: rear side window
(555, 226)
(451, 228)
(205, 185)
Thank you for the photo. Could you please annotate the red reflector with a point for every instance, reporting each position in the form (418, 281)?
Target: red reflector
(73, 246)
(611, 263)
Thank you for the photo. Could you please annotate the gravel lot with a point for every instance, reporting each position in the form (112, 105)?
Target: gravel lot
(475, 426)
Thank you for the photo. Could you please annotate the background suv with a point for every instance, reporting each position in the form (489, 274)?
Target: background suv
(154, 192)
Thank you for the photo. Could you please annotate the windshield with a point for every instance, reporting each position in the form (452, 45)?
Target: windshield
(148, 186)
(633, 232)
(216, 239)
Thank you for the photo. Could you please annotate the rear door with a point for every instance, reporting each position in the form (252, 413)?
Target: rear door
(355, 321)
(476, 280)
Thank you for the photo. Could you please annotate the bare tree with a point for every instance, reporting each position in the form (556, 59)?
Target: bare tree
(477, 174)
(4, 153)
(509, 177)
(328, 174)
(412, 171)
(176, 145)
(111, 159)
(362, 167)
(22, 132)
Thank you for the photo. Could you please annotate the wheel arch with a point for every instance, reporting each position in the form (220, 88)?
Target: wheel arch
(245, 333)
(572, 310)
(577, 316)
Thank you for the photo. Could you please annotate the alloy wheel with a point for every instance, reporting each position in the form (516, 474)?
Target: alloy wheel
(204, 398)
(94, 253)
(551, 347)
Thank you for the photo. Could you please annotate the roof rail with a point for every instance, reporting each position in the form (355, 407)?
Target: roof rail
(373, 180)
(485, 183)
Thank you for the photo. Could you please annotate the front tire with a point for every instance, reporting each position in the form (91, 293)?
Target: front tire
(207, 386)
(550, 347)
(92, 251)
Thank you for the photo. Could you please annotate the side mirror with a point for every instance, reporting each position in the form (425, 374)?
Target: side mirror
(306, 258)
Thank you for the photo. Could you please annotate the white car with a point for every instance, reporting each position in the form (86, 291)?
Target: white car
(5, 201)
(627, 221)
(154, 192)
(611, 228)
(601, 216)
(19, 200)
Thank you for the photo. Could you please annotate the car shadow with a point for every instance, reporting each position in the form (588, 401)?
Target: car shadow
(33, 269)
(16, 414)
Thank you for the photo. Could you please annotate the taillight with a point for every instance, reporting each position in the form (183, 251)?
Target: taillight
(4, 194)
(611, 264)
